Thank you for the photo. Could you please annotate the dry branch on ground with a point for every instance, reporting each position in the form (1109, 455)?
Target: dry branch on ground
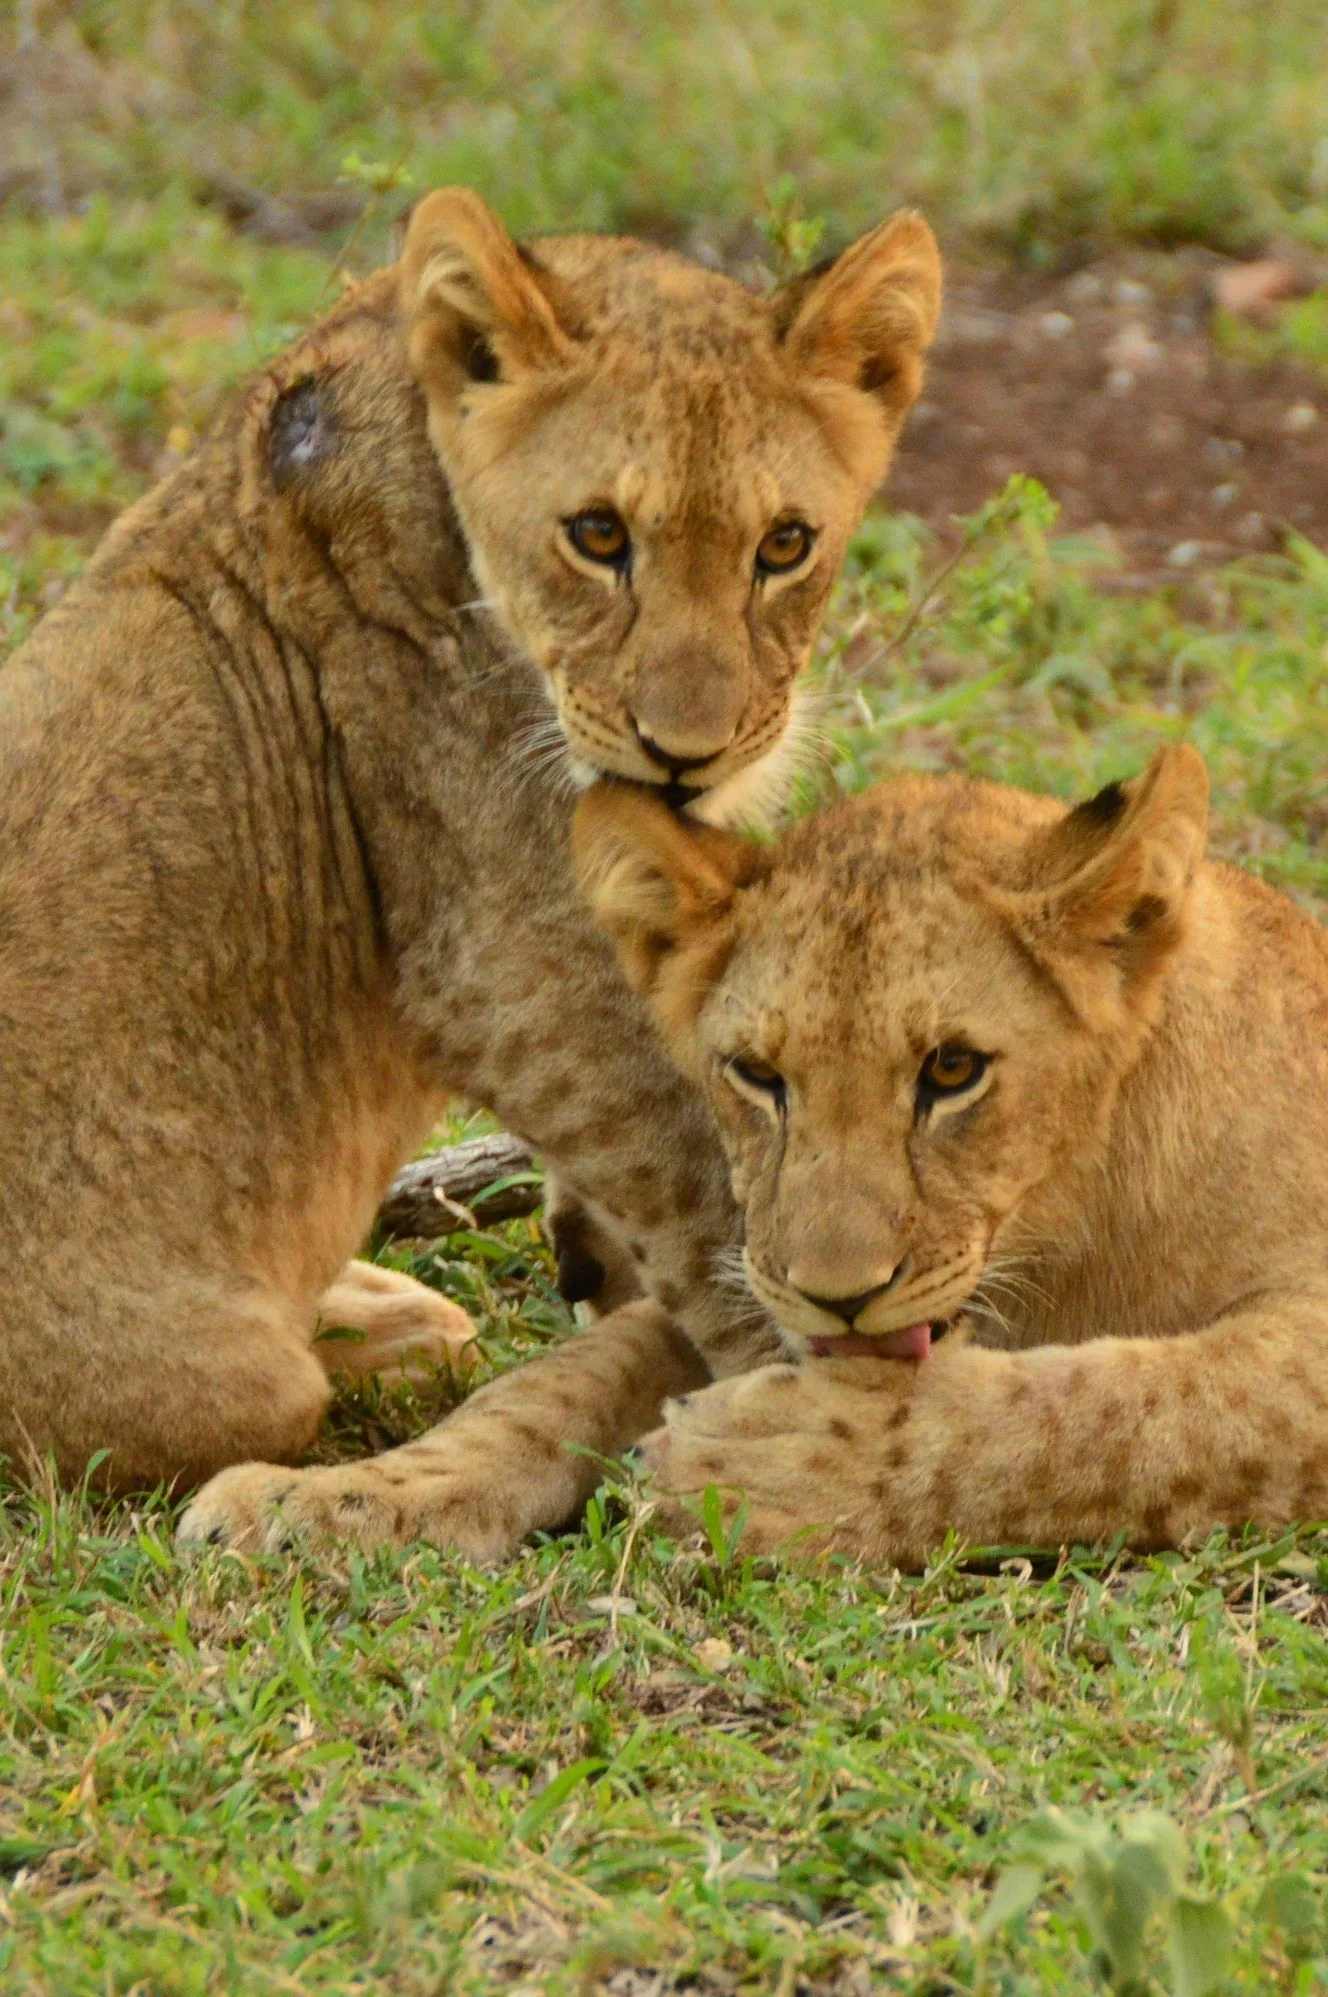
(449, 1188)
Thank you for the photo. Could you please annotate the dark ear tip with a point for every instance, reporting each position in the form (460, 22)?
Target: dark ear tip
(1105, 808)
(877, 375)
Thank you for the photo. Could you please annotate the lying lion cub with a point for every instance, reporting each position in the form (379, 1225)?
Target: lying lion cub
(1033, 1106)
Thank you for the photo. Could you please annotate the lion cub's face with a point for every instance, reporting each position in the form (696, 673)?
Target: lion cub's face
(657, 472)
(910, 1019)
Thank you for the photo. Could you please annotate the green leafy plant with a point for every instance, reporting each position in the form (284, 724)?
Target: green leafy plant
(792, 237)
(1228, 1696)
(376, 176)
(1125, 1881)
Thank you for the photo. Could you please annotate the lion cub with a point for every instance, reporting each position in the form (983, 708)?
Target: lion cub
(285, 794)
(1045, 1081)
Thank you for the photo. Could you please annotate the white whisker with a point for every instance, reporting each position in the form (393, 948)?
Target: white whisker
(1008, 1272)
(983, 1308)
(538, 753)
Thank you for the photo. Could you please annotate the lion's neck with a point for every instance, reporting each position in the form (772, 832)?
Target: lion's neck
(1179, 1211)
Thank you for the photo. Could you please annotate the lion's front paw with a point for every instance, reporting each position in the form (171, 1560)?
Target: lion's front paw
(797, 1448)
(242, 1508)
(386, 1501)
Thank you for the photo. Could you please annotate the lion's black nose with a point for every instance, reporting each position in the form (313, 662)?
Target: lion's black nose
(847, 1307)
(851, 1308)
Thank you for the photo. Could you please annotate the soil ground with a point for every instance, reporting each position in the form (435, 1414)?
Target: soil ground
(1111, 388)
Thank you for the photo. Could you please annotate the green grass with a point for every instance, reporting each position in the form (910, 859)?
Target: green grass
(1300, 333)
(405, 1775)
(612, 1759)
(1022, 666)
(1035, 125)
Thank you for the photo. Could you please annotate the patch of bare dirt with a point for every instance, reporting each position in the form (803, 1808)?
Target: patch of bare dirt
(1108, 387)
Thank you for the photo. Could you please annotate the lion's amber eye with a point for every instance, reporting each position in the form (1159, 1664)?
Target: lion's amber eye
(754, 1073)
(784, 547)
(600, 536)
(946, 1070)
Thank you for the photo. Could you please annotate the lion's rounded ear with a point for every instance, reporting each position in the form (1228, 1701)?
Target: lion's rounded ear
(481, 308)
(652, 879)
(1109, 884)
(867, 319)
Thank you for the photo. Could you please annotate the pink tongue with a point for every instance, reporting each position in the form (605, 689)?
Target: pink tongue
(913, 1342)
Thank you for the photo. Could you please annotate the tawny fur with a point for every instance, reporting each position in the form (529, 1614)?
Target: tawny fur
(284, 801)
(1128, 1211)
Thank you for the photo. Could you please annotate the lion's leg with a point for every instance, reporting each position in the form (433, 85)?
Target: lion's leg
(396, 1326)
(520, 1455)
(1155, 1438)
(511, 1460)
(175, 1384)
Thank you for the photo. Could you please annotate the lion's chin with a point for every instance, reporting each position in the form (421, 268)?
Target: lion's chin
(582, 773)
(750, 796)
(753, 795)
(757, 794)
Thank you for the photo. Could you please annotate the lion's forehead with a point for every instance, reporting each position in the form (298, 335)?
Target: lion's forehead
(874, 924)
(684, 376)
(693, 438)
(867, 959)
(879, 895)
(655, 299)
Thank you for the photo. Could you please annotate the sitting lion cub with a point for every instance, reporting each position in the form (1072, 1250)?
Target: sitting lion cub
(285, 797)
(1032, 1104)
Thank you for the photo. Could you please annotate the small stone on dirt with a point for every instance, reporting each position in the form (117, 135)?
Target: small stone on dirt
(1134, 347)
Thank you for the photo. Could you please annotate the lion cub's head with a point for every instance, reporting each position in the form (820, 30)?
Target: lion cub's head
(657, 471)
(911, 1017)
